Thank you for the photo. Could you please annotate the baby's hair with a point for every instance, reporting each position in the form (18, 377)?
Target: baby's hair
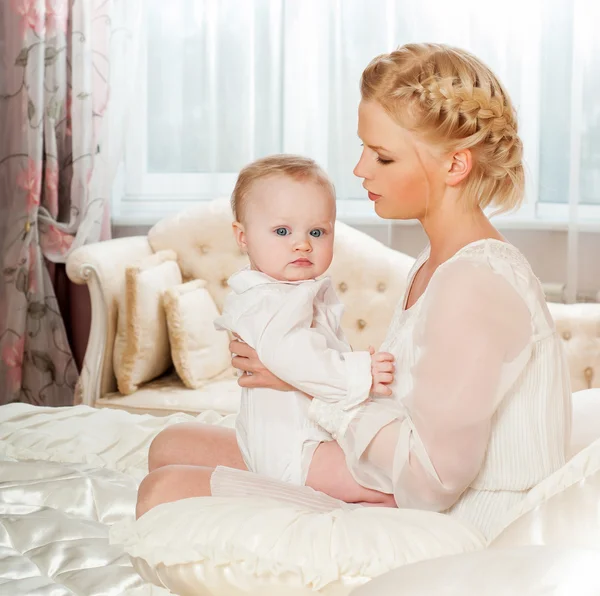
(453, 100)
(302, 169)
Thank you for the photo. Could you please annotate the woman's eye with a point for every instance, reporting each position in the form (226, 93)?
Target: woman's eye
(282, 231)
(384, 161)
(316, 233)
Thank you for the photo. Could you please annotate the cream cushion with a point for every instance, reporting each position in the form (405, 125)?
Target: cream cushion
(260, 546)
(525, 571)
(579, 327)
(199, 351)
(168, 395)
(142, 351)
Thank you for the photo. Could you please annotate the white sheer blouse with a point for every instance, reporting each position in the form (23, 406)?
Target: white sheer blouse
(481, 406)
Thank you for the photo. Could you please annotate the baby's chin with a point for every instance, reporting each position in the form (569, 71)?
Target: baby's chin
(296, 273)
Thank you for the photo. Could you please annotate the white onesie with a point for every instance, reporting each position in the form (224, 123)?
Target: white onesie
(295, 329)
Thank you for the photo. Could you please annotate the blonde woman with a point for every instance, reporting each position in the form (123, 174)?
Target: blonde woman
(480, 410)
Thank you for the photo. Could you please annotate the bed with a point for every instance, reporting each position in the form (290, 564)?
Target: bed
(66, 476)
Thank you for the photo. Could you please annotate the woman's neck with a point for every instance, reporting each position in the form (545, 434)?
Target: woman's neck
(451, 226)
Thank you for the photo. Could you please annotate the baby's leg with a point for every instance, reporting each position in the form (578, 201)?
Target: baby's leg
(172, 483)
(195, 444)
(328, 473)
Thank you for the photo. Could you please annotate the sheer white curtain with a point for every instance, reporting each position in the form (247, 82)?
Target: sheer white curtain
(226, 81)
(584, 131)
(346, 35)
(214, 83)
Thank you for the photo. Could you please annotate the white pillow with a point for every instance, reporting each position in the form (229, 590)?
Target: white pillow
(525, 571)
(199, 351)
(260, 546)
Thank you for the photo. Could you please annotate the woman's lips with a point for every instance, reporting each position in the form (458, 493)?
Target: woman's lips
(373, 196)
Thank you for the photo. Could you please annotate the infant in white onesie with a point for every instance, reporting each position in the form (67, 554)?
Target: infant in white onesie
(284, 210)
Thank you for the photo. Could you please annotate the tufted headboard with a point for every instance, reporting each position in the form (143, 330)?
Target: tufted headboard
(370, 277)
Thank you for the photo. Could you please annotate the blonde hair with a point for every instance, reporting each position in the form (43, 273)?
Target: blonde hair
(302, 169)
(453, 100)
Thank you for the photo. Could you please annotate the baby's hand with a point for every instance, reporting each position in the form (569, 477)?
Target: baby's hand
(382, 371)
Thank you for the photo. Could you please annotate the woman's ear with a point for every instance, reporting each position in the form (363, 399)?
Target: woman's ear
(240, 236)
(459, 166)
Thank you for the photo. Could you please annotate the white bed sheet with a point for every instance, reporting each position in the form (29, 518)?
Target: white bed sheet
(67, 475)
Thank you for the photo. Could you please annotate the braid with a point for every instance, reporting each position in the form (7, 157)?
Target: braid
(455, 101)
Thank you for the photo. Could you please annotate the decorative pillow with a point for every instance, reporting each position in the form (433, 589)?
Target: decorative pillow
(142, 350)
(261, 546)
(525, 571)
(199, 351)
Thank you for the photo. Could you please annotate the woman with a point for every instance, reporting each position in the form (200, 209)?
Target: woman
(480, 411)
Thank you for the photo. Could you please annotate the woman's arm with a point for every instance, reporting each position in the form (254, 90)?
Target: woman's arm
(472, 340)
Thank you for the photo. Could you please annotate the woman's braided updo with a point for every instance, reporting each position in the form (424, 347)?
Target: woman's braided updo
(455, 102)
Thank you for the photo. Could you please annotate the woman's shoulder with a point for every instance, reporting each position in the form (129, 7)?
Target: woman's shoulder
(485, 270)
(493, 249)
(498, 256)
(497, 264)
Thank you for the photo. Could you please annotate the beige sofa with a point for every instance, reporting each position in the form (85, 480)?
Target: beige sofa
(370, 279)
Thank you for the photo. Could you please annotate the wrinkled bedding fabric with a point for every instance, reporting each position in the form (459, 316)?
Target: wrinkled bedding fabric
(66, 476)
(54, 522)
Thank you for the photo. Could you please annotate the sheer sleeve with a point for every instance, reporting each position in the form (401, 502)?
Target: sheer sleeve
(472, 339)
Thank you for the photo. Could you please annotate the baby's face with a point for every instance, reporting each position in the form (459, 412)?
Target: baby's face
(288, 228)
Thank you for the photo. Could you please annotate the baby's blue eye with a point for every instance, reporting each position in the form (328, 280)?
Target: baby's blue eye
(316, 233)
(282, 231)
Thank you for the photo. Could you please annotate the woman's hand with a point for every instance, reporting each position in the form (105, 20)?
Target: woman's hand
(245, 358)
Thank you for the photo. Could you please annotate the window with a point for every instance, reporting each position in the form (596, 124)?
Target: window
(223, 82)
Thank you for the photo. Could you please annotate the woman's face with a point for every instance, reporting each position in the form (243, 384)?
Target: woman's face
(404, 176)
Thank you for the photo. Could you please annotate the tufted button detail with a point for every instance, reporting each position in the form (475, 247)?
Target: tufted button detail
(566, 335)
(361, 323)
(381, 287)
(343, 287)
(224, 282)
(588, 375)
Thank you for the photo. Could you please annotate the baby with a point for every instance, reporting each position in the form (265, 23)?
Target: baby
(284, 209)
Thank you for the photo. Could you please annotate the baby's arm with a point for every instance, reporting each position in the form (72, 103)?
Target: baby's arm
(278, 325)
(336, 372)
(298, 353)
(300, 356)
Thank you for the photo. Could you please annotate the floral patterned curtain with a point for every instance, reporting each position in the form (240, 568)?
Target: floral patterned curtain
(54, 183)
